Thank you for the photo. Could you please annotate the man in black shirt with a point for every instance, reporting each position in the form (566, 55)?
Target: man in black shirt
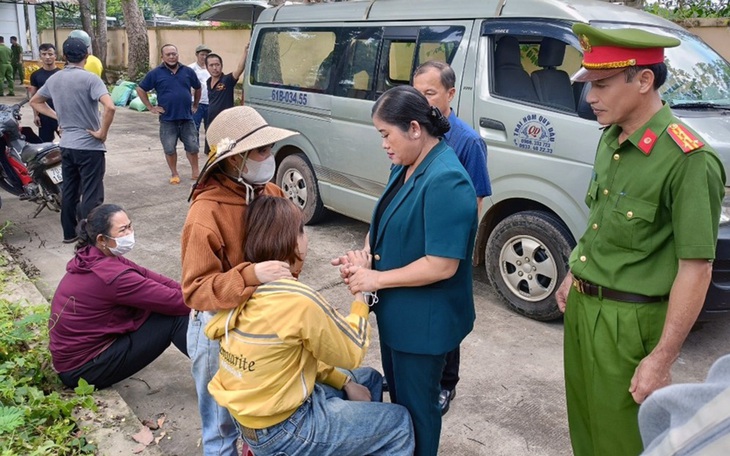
(47, 126)
(220, 86)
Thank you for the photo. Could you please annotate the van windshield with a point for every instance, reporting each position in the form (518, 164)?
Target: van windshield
(698, 76)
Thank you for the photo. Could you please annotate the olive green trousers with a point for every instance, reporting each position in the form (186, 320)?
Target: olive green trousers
(604, 341)
(6, 75)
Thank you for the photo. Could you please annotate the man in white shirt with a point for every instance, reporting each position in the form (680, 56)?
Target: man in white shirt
(201, 115)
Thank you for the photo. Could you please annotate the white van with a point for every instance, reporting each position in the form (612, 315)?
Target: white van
(318, 68)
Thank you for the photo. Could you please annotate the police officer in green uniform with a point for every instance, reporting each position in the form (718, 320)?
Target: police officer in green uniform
(639, 275)
(17, 58)
(6, 68)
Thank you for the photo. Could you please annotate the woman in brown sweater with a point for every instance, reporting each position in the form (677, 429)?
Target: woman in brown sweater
(214, 273)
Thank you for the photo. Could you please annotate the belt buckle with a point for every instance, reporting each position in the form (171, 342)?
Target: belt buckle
(250, 434)
(578, 285)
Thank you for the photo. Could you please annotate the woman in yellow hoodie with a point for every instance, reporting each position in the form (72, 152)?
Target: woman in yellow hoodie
(276, 356)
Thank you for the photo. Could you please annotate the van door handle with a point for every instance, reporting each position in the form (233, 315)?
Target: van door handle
(491, 123)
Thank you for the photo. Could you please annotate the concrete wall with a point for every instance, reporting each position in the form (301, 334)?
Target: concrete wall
(228, 43)
(715, 32)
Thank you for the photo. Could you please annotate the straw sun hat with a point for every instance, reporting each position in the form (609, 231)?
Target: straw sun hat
(238, 130)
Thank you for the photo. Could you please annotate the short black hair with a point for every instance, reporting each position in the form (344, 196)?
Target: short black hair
(448, 77)
(214, 56)
(13, 38)
(167, 45)
(659, 69)
(46, 46)
(403, 104)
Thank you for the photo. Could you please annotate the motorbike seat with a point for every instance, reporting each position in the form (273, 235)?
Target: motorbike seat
(30, 151)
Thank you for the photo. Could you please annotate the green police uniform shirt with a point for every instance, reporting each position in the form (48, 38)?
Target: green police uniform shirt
(653, 199)
(5, 55)
(16, 51)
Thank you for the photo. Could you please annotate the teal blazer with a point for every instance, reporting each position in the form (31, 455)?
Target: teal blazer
(434, 213)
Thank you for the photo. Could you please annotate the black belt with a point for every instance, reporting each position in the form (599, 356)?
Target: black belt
(592, 289)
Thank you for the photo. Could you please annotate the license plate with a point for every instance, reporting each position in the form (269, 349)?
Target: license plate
(55, 174)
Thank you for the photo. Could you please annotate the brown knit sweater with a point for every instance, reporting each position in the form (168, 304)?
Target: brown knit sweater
(214, 273)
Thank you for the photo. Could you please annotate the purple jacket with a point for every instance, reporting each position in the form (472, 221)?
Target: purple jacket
(101, 297)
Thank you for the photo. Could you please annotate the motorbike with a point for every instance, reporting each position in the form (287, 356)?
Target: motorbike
(29, 168)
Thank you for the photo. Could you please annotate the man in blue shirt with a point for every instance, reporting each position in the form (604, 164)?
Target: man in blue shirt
(173, 83)
(436, 81)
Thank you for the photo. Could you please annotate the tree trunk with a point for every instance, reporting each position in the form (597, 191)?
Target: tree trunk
(85, 12)
(100, 39)
(139, 45)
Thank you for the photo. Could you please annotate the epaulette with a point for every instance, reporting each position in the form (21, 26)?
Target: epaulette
(684, 138)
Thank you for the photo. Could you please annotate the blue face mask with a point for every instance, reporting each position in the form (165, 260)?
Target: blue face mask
(124, 245)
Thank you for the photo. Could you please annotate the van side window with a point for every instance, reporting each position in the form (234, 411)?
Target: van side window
(359, 62)
(536, 69)
(405, 48)
(295, 58)
(438, 43)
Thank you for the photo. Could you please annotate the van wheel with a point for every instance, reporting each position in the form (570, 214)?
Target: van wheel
(527, 259)
(296, 177)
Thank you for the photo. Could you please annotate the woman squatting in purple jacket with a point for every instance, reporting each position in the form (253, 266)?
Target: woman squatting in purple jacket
(110, 317)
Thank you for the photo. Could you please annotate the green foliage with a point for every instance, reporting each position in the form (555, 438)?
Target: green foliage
(689, 9)
(35, 411)
(4, 227)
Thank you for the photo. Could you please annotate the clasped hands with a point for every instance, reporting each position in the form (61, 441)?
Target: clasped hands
(356, 272)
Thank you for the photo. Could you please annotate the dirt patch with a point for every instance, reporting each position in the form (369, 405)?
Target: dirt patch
(19, 259)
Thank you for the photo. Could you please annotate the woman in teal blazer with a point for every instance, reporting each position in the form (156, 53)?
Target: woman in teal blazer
(421, 240)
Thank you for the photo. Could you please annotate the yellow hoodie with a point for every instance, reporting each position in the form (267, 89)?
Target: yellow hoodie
(277, 344)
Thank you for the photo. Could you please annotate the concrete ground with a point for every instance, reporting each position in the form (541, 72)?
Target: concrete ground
(510, 399)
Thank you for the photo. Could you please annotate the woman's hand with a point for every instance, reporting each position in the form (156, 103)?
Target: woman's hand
(360, 259)
(357, 392)
(351, 262)
(268, 271)
(362, 279)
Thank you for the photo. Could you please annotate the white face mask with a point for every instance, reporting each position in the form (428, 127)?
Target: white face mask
(258, 173)
(124, 245)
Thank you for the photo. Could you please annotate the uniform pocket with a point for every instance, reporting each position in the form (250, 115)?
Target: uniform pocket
(632, 223)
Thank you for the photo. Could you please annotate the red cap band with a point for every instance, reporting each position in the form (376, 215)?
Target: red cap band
(606, 57)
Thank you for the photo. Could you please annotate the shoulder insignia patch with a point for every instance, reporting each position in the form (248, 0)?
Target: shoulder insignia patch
(647, 141)
(684, 139)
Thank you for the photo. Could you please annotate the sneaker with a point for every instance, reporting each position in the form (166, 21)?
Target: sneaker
(445, 398)
(70, 241)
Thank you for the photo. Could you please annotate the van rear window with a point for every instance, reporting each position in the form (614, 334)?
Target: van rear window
(294, 58)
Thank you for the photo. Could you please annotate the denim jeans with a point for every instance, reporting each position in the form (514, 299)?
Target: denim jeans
(184, 130)
(201, 117)
(325, 424)
(219, 431)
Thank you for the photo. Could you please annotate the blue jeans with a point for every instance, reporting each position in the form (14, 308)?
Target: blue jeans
(201, 116)
(325, 424)
(184, 130)
(218, 428)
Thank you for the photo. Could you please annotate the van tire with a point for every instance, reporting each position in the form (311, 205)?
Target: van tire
(526, 261)
(296, 177)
